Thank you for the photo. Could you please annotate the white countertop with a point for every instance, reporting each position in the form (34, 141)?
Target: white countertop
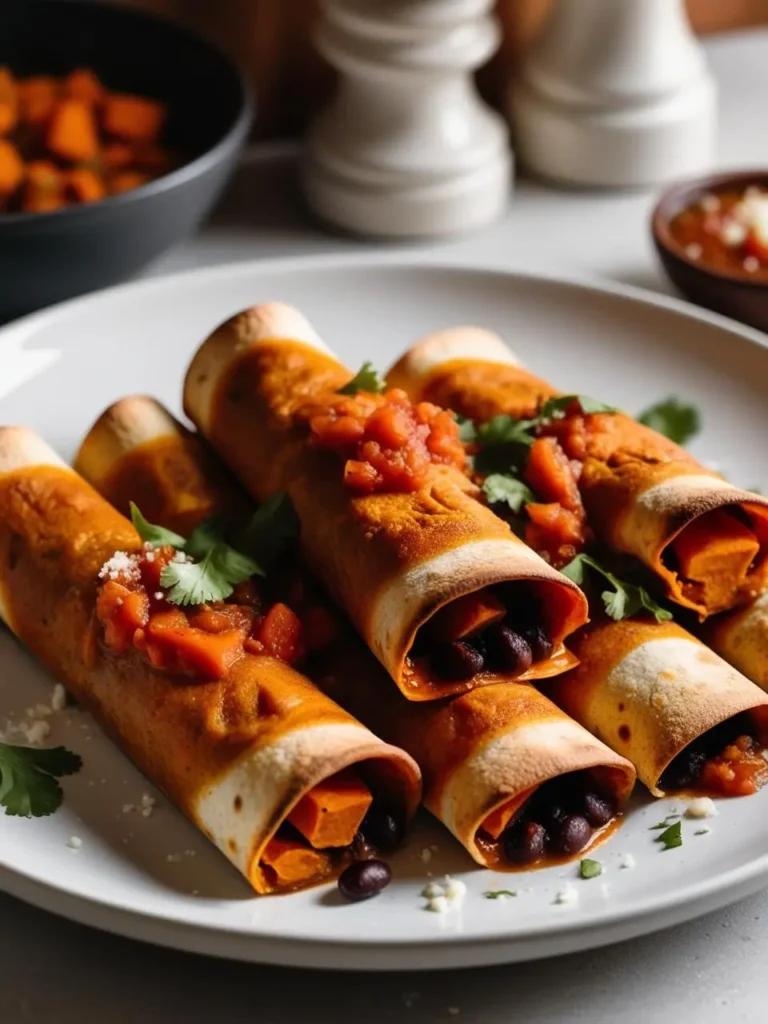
(54, 972)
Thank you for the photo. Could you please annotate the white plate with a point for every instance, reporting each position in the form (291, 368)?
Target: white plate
(138, 876)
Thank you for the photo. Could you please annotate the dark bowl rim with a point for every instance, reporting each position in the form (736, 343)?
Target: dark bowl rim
(679, 195)
(233, 136)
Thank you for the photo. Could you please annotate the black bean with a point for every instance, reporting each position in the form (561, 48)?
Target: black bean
(506, 651)
(598, 810)
(537, 639)
(570, 835)
(685, 769)
(524, 842)
(522, 604)
(456, 660)
(551, 814)
(363, 879)
(382, 829)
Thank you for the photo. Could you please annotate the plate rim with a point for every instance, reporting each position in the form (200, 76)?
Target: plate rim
(445, 950)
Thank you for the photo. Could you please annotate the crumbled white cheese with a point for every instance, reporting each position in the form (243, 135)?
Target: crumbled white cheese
(438, 905)
(710, 203)
(147, 804)
(149, 556)
(693, 251)
(120, 564)
(431, 890)
(182, 557)
(426, 855)
(733, 232)
(627, 861)
(174, 858)
(59, 698)
(148, 545)
(128, 808)
(74, 842)
(751, 264)
(159, 595)
(567, 895)
(37, 732)
(701, 807)
(455, 889)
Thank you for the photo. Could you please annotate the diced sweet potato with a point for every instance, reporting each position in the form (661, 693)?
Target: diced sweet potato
(84, 85)
(293, 863)
(9, 102)
(467, 615)
(84, 186)
(133, 118)
(331, 813)
(37, 98)
(11, 168)
(716, 551)
(193, 651)
(72, 133)
(126, 181)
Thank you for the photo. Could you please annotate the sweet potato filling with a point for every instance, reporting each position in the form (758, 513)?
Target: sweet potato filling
(332, 812)
(293, 864)
(714, 554)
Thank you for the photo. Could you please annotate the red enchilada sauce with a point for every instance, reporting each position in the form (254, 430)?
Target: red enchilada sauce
(726, 230)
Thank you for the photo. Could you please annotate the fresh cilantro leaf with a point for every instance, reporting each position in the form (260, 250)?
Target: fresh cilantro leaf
(204, 537)
(555, 408)
(496, 894)
(212, 579)
(658, 826)
(151, 534)
(28, 778)
(366, 379)
(502, 488)
(590, 868)
(274, 526)
(672, 837)
(625, 600)
(673, 418)
(467, 430)
(505, 430)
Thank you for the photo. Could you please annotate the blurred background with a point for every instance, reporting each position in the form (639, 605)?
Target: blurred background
(271, 40)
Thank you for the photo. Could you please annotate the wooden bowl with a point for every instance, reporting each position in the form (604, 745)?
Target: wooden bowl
(735, 294)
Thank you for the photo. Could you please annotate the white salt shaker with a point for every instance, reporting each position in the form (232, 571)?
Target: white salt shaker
(615, 93)
(407, 148)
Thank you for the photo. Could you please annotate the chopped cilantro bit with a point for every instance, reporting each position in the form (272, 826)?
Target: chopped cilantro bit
(151, 534)
(702, 831)
(467, 430)
(503, 488)
(625, 600)
(496, 894)
(671, 837)
(366, 379)
(590, 868)
(505, 430)
(673, 418)
(28, 778)
(555, 408)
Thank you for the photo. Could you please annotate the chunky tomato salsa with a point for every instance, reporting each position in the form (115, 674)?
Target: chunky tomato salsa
(389, 444)
(203, 640)
(726, 230)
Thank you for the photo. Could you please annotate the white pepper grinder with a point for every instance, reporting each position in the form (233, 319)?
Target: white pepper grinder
(615, 93)
(407, 148)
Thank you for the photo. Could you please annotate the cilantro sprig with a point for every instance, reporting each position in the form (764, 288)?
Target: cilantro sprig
(674, 418)
(29, 777)
(503, 488)
(209, 567)
(498, 894)
(624, 599)
(367, 378)
(506, 430)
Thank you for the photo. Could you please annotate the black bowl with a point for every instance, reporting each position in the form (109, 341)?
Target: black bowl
(46, 257)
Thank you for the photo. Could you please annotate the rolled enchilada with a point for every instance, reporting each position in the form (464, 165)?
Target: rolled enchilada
(496, 761)
(275, 773)
(643, 495)
(658, 696)
(741, 637)
(390, 522)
